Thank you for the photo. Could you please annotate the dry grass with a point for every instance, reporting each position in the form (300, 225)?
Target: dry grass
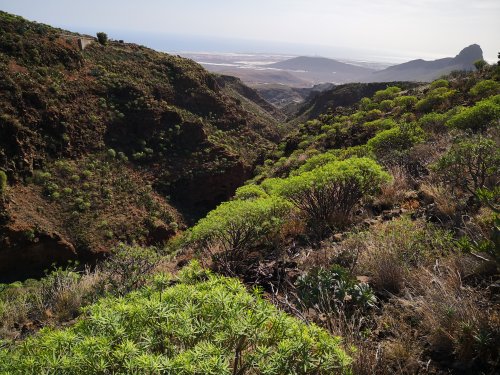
(446, 204)
(394, 192)
(53, 300)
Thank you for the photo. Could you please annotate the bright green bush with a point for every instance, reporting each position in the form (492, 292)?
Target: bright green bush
(198, 327)
(406, 102)
(239, 225)
(250, 192)
(388, 94)
(433, 122)
(326, 195)
(440, 83)
(478, 117)
(485, 88)
(396, 139)
(435, 99)
(381, 124)
(315, 162)
(365, 104)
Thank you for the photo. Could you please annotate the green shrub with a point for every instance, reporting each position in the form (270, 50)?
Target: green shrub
(128, 266)
(111, 153)
(40, 177)
(212, 327)
(373, 115)
(396, 139)
(433, 122)
(102, 38)
(480, 64)
(3, 182)
(250, 192)
(485, 88)
(386, 105)
(365, 104)
(381, 124)
(240, 224)
(315, 162)
(440, 83)
(388, 94)
(406, 102)
(326, 195)
(471, 164)
(333, 289)
(478, 117)
(435, 99)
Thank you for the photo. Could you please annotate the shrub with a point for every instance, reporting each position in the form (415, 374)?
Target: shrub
(212, 327)
(485, 88)
(386, 105)
(440, 83)
(3, 182)
(333, 289)
(381, 124)
(470, 164)
(395, 140)
(129, 266)
(102, 38)
(250, 192)
(111, 153)
(406, 102)
(315, 162)
(433, 122)
(435, 99)
(326, 195)
(397, 246)
(388, 94)
(365, 104)
(373, 115)
(240, 224)
(479, 117)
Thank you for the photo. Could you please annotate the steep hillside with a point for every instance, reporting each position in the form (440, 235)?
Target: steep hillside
(345, 95)
(161, 120)
(426, 71)
(288, 98)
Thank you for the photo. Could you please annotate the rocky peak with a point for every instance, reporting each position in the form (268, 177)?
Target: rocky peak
(470, 54)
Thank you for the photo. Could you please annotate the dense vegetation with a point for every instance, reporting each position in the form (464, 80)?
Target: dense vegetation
(366, 242)
(200, 324)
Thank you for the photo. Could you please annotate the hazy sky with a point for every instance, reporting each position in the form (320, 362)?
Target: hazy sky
(404, 28)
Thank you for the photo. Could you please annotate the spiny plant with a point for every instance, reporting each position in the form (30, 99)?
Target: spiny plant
(208, 326)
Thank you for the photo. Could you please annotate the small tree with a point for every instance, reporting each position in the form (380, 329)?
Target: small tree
(102, 38)
(471, 165)
(128, 267)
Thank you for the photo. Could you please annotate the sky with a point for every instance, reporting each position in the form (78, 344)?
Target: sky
(381, 30)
